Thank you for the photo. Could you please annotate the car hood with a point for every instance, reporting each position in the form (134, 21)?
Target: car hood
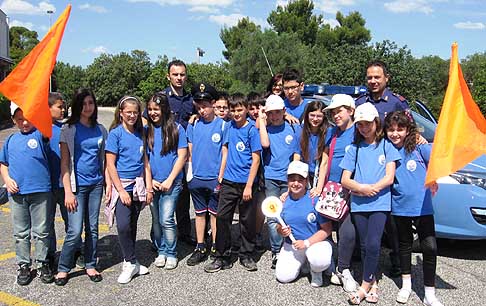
(476, 167)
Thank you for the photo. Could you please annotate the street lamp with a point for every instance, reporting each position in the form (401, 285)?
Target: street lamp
(50, 12)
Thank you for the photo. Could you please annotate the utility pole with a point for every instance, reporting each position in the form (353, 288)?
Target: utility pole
(199, 53)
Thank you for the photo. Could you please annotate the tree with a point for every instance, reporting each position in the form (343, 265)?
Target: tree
(217, 75)
(67, 79)
(351, 30)
(296, 17)
(233, 37)
(474, 69)
(22, 41)
(157, 79)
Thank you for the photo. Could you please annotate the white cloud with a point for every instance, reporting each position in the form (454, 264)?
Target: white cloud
(95, 8)
(191, 3)
(204, 9)
(20, 7)
(97, 50)
(232, 20)
(407, 6)
(17, 23)
(468, 25)
(332, 22)
(282, 3)
(332, 6)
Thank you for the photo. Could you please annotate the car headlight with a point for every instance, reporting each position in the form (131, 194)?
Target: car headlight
(466, 178)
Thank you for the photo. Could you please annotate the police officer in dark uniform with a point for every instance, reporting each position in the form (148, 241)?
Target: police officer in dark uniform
(182, 107)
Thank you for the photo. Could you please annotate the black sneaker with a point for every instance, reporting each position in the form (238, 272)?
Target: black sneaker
(199, 255)
(79, 258)
(45, 274)
(248, 263)
(23, 277)
(212, 253)
(274, 260)
(218, 264)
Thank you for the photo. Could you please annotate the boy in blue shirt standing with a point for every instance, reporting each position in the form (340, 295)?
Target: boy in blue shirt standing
(205, 140)
(25, 170)
(242, 147)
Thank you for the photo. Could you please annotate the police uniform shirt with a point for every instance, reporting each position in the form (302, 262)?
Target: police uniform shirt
(389, 102)
(181, 107)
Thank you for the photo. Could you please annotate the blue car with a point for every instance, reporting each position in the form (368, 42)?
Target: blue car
(460, 203)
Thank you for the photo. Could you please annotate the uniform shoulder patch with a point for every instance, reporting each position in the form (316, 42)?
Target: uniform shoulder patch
(400, 97)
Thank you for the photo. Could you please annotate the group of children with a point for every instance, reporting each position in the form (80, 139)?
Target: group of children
(228, 152)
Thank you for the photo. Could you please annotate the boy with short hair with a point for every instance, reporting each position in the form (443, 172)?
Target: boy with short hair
(293, 84)
(242, 144)
(205, 140)
(221, 106)
(255, 103)
(277, 138)
(24, 168)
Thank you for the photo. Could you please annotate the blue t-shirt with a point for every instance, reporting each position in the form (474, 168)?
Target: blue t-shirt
(87, 164)
(302, 217)
(26, 156)
(370, 168)
(128, 149)
(343, 142)
(312, 148)
(207, 141)
(296, 111)
(410, 198)
(241, 142)
(277, 157)
(161, 165)
(55, 156)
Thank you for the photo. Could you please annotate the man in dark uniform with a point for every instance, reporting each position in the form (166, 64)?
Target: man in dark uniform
(182, 107)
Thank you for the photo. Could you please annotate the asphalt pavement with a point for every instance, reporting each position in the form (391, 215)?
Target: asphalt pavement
(461, 275)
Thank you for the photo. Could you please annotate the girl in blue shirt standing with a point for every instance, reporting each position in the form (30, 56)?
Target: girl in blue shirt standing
(82, 143)
(412, 204)
(368, 171)
(166, 150)
(126, 165)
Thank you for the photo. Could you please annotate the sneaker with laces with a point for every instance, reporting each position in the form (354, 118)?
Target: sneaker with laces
(274, 260)
(129, 270)
(435, 302)
(316, 279)
(24, 275)
(248, 263)
(349, 284)
(160, 261)
(171, 263)
(199, 255)
(45, 274)
(212, 253)
(142, 270)
(218, 264)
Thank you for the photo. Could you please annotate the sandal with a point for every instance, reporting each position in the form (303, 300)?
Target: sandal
(403, 295)
(372, 296)
(355, 298)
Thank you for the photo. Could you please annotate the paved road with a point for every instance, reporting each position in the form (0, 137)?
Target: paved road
(461, 277)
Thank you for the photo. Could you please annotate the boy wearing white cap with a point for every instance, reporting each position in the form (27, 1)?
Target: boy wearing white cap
(278, 146)
(309, 229)
(25, 170)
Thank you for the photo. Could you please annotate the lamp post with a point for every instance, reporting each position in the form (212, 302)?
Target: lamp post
(50, 12)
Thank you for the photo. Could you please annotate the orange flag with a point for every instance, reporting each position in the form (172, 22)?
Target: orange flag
(460, 136)
(28, 84)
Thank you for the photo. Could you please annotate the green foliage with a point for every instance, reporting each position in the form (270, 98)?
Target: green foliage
(233, 37)
(474, 69)
(4, 110)
(157, 79)
(351, 31)
(217, 75)
(296, 17)
(22, 41)
(67, 78)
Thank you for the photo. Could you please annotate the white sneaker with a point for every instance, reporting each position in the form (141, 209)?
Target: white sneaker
(335, 280)
(171, 263)
(316, 279)
(349, 284)
(142, 270)
(129, 270)
(432, 303)
(160, 261)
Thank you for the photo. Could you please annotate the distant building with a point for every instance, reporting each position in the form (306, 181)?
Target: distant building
(5, 60)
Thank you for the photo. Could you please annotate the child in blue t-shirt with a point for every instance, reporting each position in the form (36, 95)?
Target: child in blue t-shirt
(368, 171)
(25, 170)
(242, 147)
(166, 150)
(412, 204)
(277, 142)
(205, 153)
(127, 165)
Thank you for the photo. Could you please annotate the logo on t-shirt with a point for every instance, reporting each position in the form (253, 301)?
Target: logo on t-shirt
(382, 159)
(100, 141)
(311, 217)
(32, 143)
(347, 148)
(141, 149)
(411, 165)
(289, 139)
(216, 137)
(240, 146)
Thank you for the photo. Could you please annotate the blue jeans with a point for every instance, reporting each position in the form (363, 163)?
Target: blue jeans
(163, 220)
(88, 210)
(30, 213)
(56, 198)
(274, 188)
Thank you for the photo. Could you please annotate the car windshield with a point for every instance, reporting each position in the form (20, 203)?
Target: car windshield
(424, 126)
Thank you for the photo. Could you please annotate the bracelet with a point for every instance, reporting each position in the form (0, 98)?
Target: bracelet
(150, 191)
(307, 243)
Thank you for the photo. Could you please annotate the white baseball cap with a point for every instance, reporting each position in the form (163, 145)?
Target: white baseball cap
(274, 102)
(298, 167)
(341, 100)
(13, 108)
(365, 112)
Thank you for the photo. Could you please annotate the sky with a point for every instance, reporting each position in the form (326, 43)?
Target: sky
(176, 28)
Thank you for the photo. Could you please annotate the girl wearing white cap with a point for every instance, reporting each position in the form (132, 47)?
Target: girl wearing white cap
(368, 171)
